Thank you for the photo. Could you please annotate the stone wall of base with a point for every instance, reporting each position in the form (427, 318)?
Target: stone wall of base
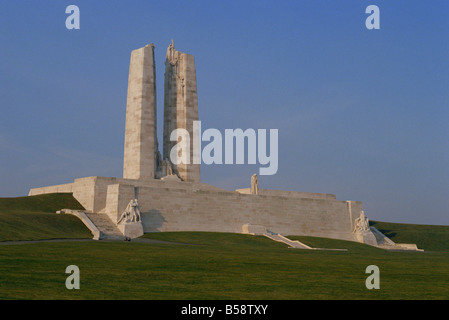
(91, 192)
(60, 188)
(118, 197)
(292, 194)
(185, 206)
(198, 209)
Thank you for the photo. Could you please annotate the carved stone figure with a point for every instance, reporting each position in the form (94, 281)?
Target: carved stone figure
(171, 53)
(361, 223)
(131, 213)
(254, 184)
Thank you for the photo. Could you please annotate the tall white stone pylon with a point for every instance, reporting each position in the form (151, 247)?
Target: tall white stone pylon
(181, 107)
(141, 146)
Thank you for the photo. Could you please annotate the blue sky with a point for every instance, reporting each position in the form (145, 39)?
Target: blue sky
(362, 114)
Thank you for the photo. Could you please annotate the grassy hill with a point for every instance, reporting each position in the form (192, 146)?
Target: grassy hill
(35, 218)
(427, 237)
(206, 265)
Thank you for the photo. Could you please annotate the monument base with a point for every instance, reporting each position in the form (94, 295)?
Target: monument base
(131, 229)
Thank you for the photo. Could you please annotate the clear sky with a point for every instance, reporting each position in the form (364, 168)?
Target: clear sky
(362, 114)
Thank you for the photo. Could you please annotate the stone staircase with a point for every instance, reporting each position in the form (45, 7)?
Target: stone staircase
(263, 231)
(280, 238)
(108, 229)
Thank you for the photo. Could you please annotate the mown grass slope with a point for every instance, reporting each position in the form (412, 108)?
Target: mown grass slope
(35, 218)
(206, 265)
(215, 266)
(427, 237)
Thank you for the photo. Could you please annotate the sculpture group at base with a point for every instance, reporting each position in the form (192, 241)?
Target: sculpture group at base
(131, 213)
(363, 231)
(130, 222)
(361, 224)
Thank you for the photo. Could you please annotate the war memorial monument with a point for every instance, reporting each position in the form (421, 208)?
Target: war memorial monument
(155, 194)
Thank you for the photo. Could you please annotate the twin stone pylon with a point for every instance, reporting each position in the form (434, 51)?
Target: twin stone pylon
(142, 159)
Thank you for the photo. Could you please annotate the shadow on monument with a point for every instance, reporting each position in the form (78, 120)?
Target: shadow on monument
(152, 221)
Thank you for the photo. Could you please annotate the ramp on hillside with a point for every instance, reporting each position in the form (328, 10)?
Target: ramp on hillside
(261, 230)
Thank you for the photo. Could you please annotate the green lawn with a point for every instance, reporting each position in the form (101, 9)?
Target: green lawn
(427, 237)
(34, 218)
(214, 266)
(217, 266)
